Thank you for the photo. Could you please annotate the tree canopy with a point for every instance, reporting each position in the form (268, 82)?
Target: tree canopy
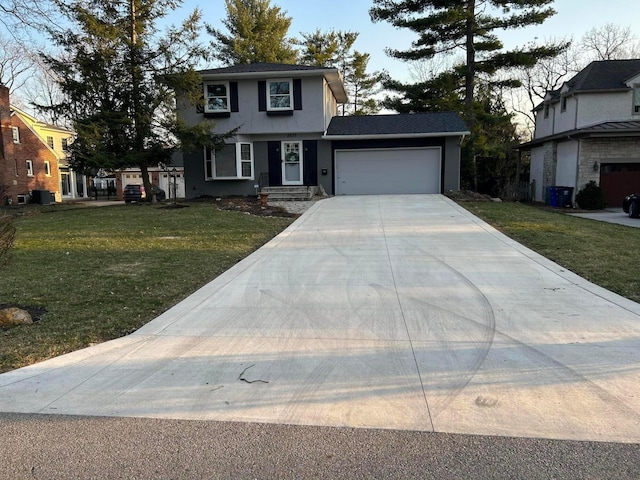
(471, 27)
(257, 32)
(119, 78)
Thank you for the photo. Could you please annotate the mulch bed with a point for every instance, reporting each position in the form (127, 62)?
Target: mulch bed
(249, 205)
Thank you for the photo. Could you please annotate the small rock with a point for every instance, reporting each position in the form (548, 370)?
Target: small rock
(13, 316)
(497, 200)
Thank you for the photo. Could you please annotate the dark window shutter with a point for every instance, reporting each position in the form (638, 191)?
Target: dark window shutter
(262, 96)
(233, 96)
(275, 164)
(297, 94)
(200, 104)
(310, 165)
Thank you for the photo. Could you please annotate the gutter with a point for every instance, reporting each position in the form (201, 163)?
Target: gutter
(380, 136)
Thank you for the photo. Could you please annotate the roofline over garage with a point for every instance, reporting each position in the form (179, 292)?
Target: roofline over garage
(379, 136)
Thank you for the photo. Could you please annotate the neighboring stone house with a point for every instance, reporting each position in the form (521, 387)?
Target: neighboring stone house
(589, 129)
(28, 166)
(289, 137)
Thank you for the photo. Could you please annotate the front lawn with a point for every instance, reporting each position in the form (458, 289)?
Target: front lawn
(101, 273)
(603, 253)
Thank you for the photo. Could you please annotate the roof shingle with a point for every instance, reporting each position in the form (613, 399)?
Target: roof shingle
(397, 124)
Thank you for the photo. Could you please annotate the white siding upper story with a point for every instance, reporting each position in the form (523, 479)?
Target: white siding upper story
(583, 110)
(318, 106)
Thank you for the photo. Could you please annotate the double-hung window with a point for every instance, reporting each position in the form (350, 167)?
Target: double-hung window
(16, 134)
(47, 168)
(29, 168)
(232, 162)
(216, 97)
(636, 100)
(279, 95)
(50, 142)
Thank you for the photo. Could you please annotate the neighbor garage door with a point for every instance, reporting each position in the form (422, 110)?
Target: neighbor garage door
(619, 180)
(387, 171)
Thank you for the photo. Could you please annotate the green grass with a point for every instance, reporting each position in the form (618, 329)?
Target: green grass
(603, 253)
(103, 272)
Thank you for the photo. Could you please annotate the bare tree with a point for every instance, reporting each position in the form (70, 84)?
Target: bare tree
(15, 65)
(24, 19)
(610, 42)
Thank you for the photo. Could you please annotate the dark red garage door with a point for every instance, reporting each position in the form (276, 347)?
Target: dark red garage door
(619, 180)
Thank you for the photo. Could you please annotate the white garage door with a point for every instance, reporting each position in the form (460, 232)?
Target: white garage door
(387, 171)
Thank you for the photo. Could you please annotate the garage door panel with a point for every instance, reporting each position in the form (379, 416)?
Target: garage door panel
(388, 171)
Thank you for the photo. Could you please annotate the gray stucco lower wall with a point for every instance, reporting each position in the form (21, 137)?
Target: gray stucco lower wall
(452, 164)
(196, 185)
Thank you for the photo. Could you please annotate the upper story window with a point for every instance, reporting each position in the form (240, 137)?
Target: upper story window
(636, 100)
(47, 168)
(16, 134)
(280, 94)
(546, 110)
(65, 144)
(216, 97)
(29, 168)
(563, 104)
(50, 142)
(232, 162)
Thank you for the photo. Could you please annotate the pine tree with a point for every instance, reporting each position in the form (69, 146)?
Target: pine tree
(257, 33)
(471, 26)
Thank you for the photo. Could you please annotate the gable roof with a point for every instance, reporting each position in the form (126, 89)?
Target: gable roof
(279, 70)
(599, 76)
(433, 124)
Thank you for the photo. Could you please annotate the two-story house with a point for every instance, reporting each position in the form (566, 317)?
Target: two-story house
(71, 184)
(589, 129)
(289, 135)
(28, 167)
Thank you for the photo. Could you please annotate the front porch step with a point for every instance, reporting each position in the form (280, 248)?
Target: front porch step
(290, 193)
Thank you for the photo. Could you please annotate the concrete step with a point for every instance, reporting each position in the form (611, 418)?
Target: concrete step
(289, 193)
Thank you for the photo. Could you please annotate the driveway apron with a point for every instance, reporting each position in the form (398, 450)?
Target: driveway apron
(395, 312)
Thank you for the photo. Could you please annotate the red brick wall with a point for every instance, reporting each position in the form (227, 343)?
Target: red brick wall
(13, 161)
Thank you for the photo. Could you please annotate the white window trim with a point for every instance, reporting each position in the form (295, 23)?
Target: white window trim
(29, 168)
(47, 168)
(50, 142)
(209, 156)
(239, 162)
(15, 131)
(280, 109)
(206, 98)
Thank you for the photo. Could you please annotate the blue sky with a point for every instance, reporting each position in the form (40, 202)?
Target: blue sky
(574, 17)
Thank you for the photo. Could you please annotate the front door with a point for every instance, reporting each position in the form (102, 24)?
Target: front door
(291, 163)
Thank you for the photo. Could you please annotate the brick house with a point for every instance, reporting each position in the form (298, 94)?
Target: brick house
(28, 167)
(589, 129)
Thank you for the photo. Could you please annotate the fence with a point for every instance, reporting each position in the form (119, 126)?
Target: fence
(518, 191)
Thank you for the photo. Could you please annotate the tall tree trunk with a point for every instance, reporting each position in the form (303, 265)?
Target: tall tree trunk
(470, 83)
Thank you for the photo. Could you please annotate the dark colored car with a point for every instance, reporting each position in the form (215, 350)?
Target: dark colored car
(134, 192)
(631, 205)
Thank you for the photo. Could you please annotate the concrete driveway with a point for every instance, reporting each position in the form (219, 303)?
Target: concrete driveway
(393, 312)
(610, 215)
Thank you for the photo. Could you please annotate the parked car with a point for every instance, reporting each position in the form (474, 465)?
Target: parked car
(631, 205)
(134, 192)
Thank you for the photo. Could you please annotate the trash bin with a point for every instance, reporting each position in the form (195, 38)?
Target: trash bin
(552, 196)
(565, 197)
(41, 197)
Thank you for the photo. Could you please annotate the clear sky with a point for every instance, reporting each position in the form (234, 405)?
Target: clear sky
(574, 17)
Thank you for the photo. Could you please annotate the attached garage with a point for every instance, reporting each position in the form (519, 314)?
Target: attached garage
(387, 171)
(395, 154)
